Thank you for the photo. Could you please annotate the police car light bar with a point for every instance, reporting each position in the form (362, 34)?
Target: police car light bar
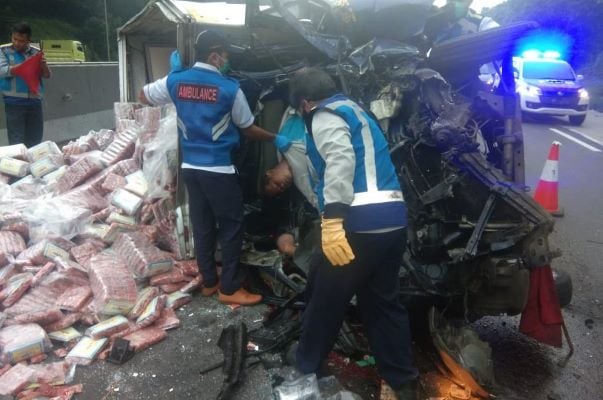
(533, 53)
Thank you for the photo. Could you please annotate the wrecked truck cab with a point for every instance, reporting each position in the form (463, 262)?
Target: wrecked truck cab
(474, 233)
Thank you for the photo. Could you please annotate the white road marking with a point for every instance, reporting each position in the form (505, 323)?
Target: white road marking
(592, 139)
(573, 139)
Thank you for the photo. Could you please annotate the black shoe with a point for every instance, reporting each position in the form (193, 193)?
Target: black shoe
(408, 391)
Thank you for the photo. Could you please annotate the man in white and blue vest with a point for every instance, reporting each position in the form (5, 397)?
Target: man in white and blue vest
(212, 110)
(24, 115)
(363, 220)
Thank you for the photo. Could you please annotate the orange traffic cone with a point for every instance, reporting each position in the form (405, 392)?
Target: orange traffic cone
(547, 191)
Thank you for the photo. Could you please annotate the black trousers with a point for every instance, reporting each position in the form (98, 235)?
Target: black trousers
(216, 209)
(373, 277)
(24, 124)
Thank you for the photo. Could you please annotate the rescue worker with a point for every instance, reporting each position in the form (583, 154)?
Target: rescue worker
(211, 111)
(24, 115)
(463, 21)
(363, 219)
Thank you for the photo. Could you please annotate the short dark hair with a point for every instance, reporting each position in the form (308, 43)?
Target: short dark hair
(209, 41)
(311, 84)
(22, 28)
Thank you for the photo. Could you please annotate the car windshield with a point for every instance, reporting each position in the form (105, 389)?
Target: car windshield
(547, 70)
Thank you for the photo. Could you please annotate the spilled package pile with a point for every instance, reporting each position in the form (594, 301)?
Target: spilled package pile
(89, 250)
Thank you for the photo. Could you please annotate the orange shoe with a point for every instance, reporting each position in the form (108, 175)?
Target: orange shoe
(241, 296)
(210, 291)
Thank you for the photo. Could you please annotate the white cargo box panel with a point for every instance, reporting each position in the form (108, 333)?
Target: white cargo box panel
(146, 41)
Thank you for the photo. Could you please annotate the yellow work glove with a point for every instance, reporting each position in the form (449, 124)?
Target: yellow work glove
(334, 244)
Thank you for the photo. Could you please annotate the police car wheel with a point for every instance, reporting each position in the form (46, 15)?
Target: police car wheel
(577, 120)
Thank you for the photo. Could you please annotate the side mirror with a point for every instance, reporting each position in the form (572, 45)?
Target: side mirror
(579, 77)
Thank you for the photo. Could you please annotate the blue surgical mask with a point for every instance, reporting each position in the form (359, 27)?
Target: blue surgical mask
(225, 68)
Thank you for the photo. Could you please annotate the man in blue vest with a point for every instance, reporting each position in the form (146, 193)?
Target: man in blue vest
(363, 233)
(24, 116)
(212, 110)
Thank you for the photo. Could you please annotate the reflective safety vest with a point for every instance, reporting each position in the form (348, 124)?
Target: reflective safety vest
(378, 201)
(13, 86)
(204, 101)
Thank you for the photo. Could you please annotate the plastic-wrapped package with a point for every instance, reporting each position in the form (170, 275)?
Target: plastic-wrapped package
(108, 327)
(56, 217)
(121, 148)
(11, 243)
(172, 287)
(51, 178)
(124, 110)
(83, 252)
(121, 219)
(188, 267)
(51, 373)
(115, 229)
(15, 287)
(302, 388)
(127, 201)
(73, 158)
(18, 151)
(4, 179)
(65, 335)
(174, 276)
(152, 312)
(167, 320)
(6, 272)
(63, 323)
(74, 299)
(16, 379)
(45, 251)
(42, 317)
(160, 157)
(85, 351)
(46, 165)
(42, 150)
(141, 256)
(15, 222)
(20, 342)
(192, 285)
(78, 173)
(144, 338)
(144, 298)
(41, 274)
(112, 284)
(150, 231)
(148, 118)
(113, 182)
(3, 259)
(14, 167)
(178, 299)
(137, 183)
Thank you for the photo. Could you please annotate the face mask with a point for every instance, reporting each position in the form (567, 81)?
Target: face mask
(225, 68)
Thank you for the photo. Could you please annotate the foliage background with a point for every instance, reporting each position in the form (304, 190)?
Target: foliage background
(82, 20)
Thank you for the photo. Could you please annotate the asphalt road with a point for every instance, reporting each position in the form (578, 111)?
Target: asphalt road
(525, 369)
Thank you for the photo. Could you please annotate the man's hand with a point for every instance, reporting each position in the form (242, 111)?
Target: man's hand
(335, 246)
(44, 65)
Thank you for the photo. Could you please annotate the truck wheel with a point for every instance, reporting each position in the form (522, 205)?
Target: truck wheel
(577, 120)
(563, 284)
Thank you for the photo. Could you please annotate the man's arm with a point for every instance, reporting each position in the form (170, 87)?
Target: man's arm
(155, 93)
(4, 65)
(333, 141)
(243, 119)
(46, 73)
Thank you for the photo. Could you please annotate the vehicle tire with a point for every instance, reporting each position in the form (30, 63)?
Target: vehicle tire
(563, 284)
(577, 120)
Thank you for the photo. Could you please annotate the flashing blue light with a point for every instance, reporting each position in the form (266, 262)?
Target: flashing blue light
(551, 54)
(532, 53)
(545, 44)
